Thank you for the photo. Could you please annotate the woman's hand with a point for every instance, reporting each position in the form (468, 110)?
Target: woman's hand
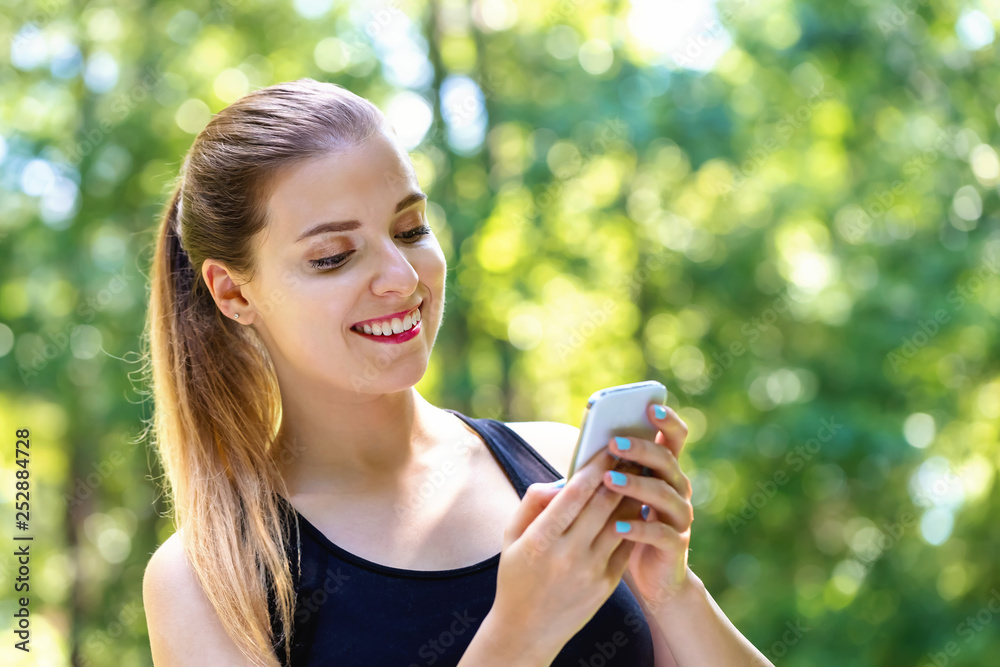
(658, 564)
(561, 561)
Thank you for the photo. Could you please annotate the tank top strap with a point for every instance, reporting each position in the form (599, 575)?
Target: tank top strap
(522, 463)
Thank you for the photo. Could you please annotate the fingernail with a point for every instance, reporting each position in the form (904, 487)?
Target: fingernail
(618, 478)
(661, 412)
(645, 512)
(623, 443)
(622, 526)
(561, 483)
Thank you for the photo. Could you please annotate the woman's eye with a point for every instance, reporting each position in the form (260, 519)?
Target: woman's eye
(417, 232)
(330, 262)
(333, 262)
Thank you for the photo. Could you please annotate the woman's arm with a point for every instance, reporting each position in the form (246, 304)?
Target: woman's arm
(698, 631)
(500, 644)
(663, 657)
(184, 630)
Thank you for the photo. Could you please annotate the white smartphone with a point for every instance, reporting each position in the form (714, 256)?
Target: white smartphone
(615, 411)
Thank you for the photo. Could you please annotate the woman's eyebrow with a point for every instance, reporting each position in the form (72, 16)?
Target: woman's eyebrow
(347, 225)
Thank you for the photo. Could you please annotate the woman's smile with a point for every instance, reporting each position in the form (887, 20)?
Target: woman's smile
(393, 330)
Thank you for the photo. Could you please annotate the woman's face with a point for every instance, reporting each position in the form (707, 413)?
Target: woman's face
(349, 242)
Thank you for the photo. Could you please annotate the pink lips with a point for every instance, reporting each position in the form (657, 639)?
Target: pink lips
(394, 339)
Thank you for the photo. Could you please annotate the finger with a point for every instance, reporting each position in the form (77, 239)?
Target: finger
(536, 498)
(661, 461)
(607, 540)
(673, 431)
(556, 518)
(618, 561)
(654, 533)
(656, 493)
(593, 517)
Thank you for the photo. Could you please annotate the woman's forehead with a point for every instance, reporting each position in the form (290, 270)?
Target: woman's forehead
(363, 185)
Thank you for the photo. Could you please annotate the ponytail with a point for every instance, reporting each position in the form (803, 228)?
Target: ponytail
(205, 392)
(217, 408)
(181, 268)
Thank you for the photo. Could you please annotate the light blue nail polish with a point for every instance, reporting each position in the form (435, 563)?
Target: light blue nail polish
(645, 512)
(561, 483)
(623, 443)
(623, 526)
(618, 478)
(660, 411)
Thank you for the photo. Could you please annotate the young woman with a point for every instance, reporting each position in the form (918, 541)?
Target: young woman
(326, 513)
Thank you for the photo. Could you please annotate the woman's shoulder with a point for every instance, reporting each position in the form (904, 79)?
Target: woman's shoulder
(555, 441)
(167, 564)
(183, 626)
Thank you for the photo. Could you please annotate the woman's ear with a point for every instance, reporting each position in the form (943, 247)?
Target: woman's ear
(227, 294)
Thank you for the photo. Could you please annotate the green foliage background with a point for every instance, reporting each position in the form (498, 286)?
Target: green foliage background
(801, 243)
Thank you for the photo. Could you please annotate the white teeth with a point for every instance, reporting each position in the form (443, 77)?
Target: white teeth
(394, 327)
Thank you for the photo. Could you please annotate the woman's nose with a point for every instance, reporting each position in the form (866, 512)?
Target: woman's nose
(394, 272)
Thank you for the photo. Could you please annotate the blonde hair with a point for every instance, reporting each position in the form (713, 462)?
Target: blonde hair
(217, 408)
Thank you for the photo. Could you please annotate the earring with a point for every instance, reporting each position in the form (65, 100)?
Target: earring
(236, 316)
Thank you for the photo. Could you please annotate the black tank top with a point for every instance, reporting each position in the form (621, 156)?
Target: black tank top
(351, 612)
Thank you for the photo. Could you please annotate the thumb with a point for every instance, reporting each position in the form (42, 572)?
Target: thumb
(536, 498)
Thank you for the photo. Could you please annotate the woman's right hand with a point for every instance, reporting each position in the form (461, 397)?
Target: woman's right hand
(561, 558)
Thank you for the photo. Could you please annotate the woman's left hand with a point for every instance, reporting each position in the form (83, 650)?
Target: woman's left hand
(658, 563)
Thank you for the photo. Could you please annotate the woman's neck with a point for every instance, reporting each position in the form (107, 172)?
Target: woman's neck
(357, 448)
